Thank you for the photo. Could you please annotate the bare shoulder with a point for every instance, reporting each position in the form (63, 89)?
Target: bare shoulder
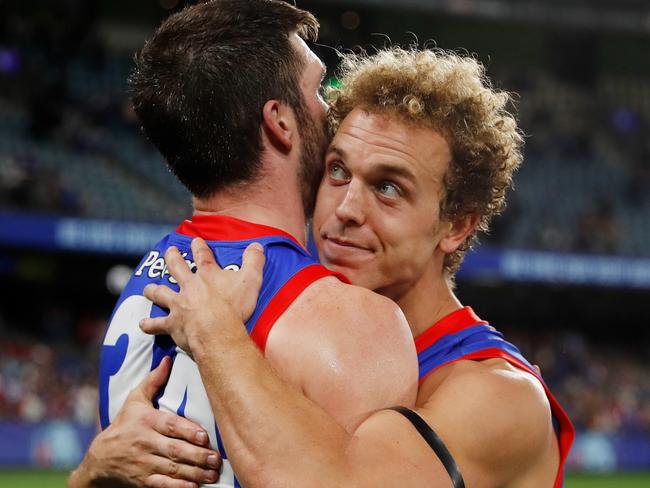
(338, 340)
(338, 298)
(349, 312)
(494, 417)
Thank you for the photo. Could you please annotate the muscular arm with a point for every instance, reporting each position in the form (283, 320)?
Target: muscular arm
(321, 380)
(276, 436)
(496, 423)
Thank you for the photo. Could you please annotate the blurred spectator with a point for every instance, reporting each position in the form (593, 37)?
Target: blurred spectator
(603, 388)
(598, 230)
(48, 382)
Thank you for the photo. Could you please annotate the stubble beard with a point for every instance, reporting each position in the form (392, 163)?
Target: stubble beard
(315, 139)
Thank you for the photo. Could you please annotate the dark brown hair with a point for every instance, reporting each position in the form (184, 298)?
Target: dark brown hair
(201, 82)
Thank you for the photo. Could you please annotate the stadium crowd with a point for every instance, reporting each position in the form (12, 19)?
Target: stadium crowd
(54, 377)
(603, 389)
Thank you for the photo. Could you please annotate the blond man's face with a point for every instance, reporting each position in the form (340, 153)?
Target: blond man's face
(377, 214)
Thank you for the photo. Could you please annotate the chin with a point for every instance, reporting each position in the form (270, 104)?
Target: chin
(356, 276)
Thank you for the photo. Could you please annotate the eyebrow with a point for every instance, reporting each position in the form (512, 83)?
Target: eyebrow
(388, 168)
(334, 148)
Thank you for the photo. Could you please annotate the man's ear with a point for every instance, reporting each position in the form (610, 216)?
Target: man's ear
(278, 125)
(457, 232)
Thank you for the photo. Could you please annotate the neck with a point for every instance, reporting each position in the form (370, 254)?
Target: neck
(430, 299)
(265, 202)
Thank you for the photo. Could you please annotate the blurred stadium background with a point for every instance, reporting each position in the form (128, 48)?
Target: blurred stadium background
(565, 272)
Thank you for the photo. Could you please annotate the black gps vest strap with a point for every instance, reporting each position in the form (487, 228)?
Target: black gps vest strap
(436, 444)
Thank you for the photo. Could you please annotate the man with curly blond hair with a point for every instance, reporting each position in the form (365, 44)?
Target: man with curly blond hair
(450, 94)
(423, 152)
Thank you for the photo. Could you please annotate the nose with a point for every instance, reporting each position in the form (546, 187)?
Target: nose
(352, 210)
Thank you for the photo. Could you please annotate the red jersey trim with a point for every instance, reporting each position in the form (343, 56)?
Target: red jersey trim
(226, 228)
(567, 432)
(450, 324)
(285, 297)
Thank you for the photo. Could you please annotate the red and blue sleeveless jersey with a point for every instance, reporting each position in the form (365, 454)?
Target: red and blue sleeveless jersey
(462, 335)
(128, 354)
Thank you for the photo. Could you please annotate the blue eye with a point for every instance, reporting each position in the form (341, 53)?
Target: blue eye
(389, 190)
(337, 172)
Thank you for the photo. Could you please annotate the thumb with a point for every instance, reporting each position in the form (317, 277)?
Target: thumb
(155, 380)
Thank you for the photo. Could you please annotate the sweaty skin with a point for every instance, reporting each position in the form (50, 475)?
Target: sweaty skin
(377, 221)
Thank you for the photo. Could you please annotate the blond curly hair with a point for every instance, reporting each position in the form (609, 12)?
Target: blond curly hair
(451, 94)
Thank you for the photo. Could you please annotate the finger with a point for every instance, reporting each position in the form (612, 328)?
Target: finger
(177, 266)
(161, 295)
(162, 481)
(180, 471)
(183, 452)
(178, 427)
(252, 264)
(157, 325)
(155, 380)
(253, 258)
(203, 255)
(150, 385)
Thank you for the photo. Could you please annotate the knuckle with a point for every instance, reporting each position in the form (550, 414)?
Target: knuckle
(148, 419)
(170, 425)
(152, 481)
(173, 452)
(173, 468)
(140, 444)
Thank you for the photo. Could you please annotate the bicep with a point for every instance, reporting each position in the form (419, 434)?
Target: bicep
(498, 431)
(351, 359)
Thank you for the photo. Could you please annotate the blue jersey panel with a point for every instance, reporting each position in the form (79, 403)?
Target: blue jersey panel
(470, 340)
(128, 354)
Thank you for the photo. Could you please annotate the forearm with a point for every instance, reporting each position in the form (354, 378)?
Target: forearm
(273, 434)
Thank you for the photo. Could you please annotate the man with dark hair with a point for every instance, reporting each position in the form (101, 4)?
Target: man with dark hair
(201, 82)
(229, 93)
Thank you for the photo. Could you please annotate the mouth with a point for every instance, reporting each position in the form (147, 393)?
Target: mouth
(338, 251)
(342, 242)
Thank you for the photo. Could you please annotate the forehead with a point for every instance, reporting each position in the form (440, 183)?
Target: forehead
(313, 62)
(387, 139)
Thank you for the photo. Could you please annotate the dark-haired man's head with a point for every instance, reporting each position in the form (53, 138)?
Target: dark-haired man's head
(202, 80)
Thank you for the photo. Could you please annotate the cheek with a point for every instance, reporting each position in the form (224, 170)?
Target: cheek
(407, 249)
(325, 205)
